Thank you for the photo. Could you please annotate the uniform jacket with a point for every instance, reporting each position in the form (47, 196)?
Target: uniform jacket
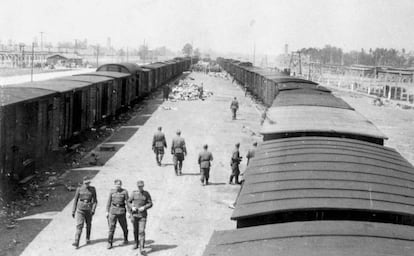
(204, 159)
(139, 199)
(85, 199)
(158, 140)
(251, 153)
(117, 201)
(235, 157)
(178, 146)
(234, 104)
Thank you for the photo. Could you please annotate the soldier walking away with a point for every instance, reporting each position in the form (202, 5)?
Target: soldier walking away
(139, 201)
(178, 150)
(235, 162)
(234, 106)
(166, 92)
(158, 145)
(264, 116)
(251, 152)
(84, 205)
(204, 160)
(116, 211)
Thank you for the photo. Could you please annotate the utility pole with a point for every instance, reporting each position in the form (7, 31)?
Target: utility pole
(97, 56)
(41, 49)
(127, 54)
(31, 72)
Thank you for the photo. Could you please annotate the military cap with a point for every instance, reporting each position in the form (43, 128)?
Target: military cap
(140, 183)
(178, 131)
(86, 179)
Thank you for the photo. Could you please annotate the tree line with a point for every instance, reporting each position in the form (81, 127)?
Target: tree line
(373, 57)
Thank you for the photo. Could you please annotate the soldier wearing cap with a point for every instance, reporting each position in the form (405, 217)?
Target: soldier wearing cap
(234, 163)
(178, 150)
(84, 205)
(234, 106)
(158, 145)
(204, 160)
(139, 201)
(116, 211)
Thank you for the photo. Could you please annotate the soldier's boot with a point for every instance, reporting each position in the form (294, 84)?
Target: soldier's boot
(77, 238)
(141, 246)
(125, 238)
(88, 235)
(76, 244)
(110, 239)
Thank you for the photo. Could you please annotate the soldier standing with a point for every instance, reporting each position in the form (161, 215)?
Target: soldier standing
(234, 106)
(166, 92)
(204, 160)
(140, 201)
(178, 150)
(84, 204)
(251, 152)
(158, 145)
(235, 161)
(115, 211)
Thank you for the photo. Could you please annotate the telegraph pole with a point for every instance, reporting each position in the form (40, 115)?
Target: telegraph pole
(97, 56)
(41, 49)
(31, 72)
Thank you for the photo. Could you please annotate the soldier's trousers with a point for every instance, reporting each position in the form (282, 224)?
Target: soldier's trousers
(83, 216)
(205, 174)
(139, 224)
(234, 174)
(159, 154)
(112, 219)
(233, 110)
(178, 163)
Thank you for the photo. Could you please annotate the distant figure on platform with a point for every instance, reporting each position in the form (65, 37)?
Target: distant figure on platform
(178, 150)
(264, 116)
(204, 160)
(116, 209)
(200, 91)
(251, 153)
(84, 205)
(234, 163)
(139, 201)
(158, 145)
(166, 92)
(234, 106)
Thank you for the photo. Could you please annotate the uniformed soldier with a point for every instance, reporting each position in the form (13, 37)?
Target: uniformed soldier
(204, 160)
(178, 150)
(84, 205)
(235, 161)
(166, 92)
(264, 116)
(116, 211)
(251, 152)
(158, 145)
(234, 106)
(140, 201)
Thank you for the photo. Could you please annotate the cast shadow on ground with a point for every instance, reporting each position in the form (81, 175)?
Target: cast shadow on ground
(190, 174)
(102, 240)
(216, 183)
(160, 247)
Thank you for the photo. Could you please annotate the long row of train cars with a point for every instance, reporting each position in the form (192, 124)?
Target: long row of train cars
(322, 182)
(37, 118)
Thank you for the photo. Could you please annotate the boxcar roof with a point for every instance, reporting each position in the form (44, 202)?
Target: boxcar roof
(11, 95)
(107, 74)
(86, 78)
(314, 238)
(308, 97)
(54, 85)
(132, 68)
(313, 173)
(290, 119)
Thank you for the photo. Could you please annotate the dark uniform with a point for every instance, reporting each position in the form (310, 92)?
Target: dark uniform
(158, 145)
(178, 150)
(234, 106)
(204, 159)
(139, 218)
(235, 161)
(166, 91)
(84, 204)
(117, 202)
(250, 154)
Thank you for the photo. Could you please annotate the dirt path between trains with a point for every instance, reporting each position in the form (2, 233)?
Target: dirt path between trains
(184, 213)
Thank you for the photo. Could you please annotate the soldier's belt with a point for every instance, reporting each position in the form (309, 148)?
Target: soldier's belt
(85, 201)
(118, 205)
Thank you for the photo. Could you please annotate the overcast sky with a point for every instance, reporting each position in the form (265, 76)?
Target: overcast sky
(221, 25)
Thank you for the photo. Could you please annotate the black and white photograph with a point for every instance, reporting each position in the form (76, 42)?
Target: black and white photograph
(207, 128)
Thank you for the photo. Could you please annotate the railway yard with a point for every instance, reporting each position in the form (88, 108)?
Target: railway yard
(185, 214)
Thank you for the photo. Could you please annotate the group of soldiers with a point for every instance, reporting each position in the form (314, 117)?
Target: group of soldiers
(179, 151)
(119, 204)
(139, 201)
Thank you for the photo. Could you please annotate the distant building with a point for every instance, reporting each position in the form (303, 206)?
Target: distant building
(65, 60)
